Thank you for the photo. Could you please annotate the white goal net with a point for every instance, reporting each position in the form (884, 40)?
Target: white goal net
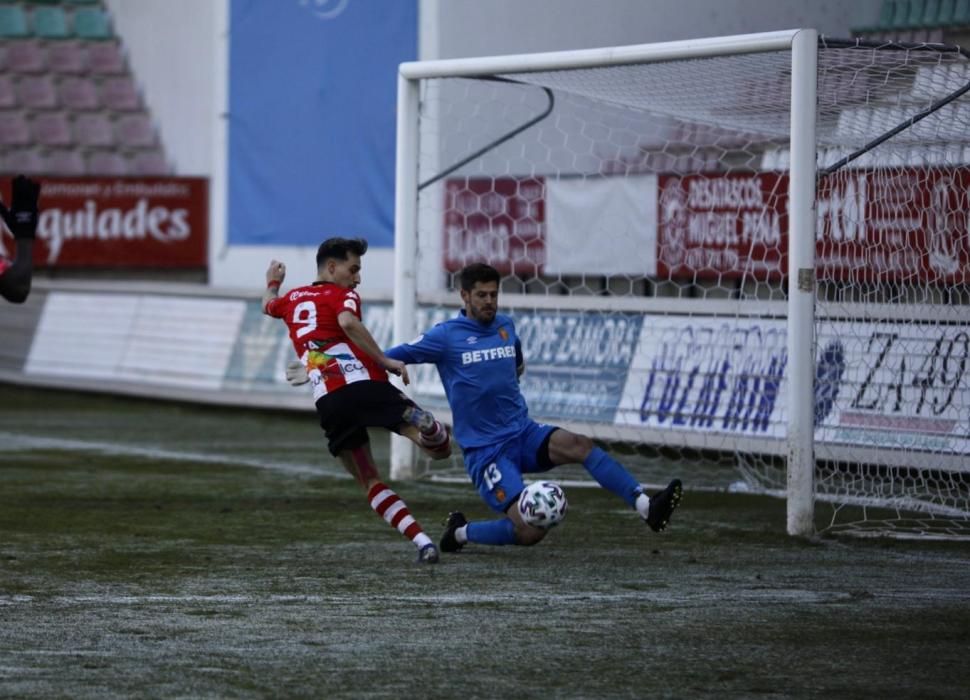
(712, 291)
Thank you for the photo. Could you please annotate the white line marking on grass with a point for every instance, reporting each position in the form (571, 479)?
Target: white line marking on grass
(746, 596)
(58, 652)
(12, 442)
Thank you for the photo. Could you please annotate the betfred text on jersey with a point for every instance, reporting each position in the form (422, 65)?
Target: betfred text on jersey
(498, 353)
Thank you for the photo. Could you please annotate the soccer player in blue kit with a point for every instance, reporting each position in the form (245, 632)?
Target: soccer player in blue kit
(479, 358)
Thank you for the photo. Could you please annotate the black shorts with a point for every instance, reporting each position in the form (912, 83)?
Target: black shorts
(346, 413)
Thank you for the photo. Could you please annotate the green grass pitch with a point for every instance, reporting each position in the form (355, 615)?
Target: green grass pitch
(151, 549)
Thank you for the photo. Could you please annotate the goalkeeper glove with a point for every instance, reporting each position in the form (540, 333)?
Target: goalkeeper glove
(296, 373)
(21, 217)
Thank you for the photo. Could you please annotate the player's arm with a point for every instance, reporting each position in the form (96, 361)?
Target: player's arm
(275, 274)
(427, 347)
(362, 338)
(21, 219)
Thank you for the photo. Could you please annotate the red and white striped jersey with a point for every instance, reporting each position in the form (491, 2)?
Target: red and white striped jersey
(331, 358)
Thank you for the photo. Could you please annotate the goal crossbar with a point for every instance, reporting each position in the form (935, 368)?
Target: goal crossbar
(591, 58)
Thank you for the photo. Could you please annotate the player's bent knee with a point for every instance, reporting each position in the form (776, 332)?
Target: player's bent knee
(526, 535)
(581, 446)
(570, 447)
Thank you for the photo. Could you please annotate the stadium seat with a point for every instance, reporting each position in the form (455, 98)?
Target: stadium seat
(106, 163)
(37, 92)
(914, 17)
(14, 130)
(105, 58)
(29, 161)
(944, 14)
(93, 129)
(886, 13)
(79, 93)
(900, 15)
(879, 31)
(151, 162)
(120, 94)
(92, 23)
(953, 153)
(135, 131)
(51, 129)
(67, 57)
(928, 80)
(8, 95)
(853, 122)
(13, 22)
(25, 56)
(65, 161)
(931, 14)
(769, 159)
(961, 13)
(50, 23)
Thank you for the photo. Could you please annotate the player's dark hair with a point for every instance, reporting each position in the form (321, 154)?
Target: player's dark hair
(478, 272)
(339, 248)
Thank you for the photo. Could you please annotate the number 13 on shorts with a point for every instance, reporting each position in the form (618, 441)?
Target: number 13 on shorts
(498, 482)
(492, 475)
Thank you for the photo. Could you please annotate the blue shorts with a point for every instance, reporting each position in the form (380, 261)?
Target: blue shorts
(496, 470)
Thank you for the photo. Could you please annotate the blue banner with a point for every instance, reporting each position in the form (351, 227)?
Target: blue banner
(312, 118)
(576, 363)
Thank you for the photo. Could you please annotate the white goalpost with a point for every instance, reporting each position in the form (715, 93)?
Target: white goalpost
(741, 260)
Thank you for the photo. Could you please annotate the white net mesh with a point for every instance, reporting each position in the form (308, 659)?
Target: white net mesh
(892, 313)
(638, 214)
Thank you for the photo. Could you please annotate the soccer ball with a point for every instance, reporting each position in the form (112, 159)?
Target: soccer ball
(542, 504)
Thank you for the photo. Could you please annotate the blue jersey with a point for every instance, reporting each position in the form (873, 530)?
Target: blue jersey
(478, 365)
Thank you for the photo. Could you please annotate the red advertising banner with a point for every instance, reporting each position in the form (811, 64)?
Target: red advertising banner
(885, 225)
(159, 222)
(894, 225)
(499, 221)
(722, 225)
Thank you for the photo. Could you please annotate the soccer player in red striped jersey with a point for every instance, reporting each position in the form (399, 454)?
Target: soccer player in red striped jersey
(21, 218)
(348, 373)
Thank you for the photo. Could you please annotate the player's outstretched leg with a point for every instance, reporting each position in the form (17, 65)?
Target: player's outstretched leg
(611, 475)
(662, 505)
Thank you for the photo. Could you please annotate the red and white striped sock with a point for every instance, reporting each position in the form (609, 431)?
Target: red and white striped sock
(389, 506)
(435, 437)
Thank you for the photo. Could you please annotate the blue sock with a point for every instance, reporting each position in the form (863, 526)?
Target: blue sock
(611, 475)
(491, 532)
